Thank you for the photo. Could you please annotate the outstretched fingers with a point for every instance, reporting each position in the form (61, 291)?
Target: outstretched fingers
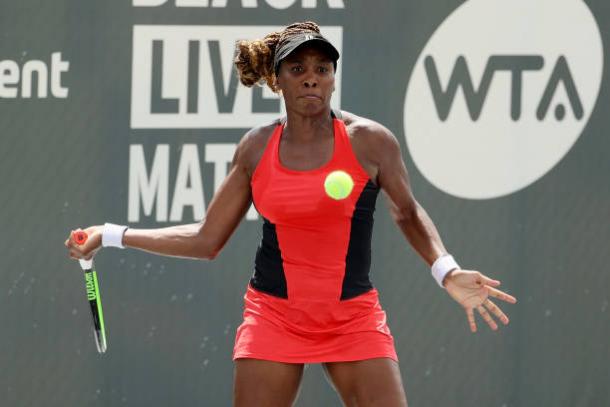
(501, 295)
(492, 324)
(476, 292)
(496, 311)
(484, 310)
(484, 280)
(471, 322)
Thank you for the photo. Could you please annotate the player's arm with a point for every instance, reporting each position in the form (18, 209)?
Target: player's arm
(205, 239)
(412, 219)
(383, 152)
(471, 289)
(201, 240)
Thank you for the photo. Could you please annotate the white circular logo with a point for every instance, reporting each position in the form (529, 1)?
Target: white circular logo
(501, 92)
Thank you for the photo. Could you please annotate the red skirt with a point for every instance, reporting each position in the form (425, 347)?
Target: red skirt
(305, 331)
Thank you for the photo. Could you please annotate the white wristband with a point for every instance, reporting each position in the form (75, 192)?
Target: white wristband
(112, 235)
(442, 266)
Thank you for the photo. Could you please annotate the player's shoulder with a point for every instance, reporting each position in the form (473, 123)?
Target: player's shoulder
(252, 145)
(257, 136)
(367, 131)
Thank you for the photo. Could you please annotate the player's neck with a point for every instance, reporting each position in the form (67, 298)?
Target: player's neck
(300, 128)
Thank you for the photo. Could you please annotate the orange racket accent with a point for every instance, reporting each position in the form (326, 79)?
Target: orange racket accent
(80, 237)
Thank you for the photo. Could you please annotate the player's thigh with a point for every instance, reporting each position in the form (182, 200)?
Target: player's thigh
(368, 383)
(265, 383)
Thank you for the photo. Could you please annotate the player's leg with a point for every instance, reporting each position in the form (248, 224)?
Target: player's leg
(264, 383)
(368, 383)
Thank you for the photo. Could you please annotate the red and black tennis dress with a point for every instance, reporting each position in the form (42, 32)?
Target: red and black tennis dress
(310, 299)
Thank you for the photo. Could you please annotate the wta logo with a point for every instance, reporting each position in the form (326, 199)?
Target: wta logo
(500, 94)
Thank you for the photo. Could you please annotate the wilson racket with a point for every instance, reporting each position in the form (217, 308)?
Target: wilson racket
(93, 295)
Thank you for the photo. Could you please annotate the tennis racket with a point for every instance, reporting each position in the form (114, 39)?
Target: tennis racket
(93, 295)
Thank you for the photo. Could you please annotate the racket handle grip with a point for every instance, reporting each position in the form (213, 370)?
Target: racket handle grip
(80, 238)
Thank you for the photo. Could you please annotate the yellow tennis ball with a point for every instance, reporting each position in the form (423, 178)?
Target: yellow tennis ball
(338, 184)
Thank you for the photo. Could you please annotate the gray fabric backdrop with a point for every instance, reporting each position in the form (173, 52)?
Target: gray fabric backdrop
(65, 162)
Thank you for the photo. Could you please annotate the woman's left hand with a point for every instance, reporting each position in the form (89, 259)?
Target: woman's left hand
(471, 290)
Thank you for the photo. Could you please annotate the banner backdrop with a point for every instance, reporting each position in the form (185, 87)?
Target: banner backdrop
(130, 111)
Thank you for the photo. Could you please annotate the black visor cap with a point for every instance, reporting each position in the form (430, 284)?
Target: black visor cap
(289, 46)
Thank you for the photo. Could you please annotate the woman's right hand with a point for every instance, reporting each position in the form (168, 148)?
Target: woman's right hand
(89, 248)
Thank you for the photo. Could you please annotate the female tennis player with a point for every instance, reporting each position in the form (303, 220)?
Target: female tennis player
(310, 299)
